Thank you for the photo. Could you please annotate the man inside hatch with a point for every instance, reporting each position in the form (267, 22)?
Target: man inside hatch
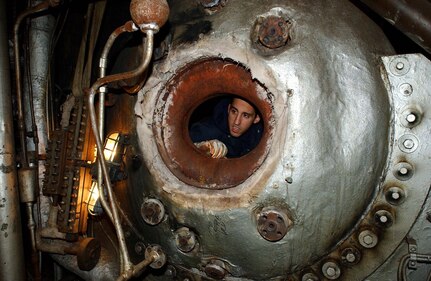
(232, 131)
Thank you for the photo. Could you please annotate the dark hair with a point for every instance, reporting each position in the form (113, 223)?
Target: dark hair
(247, 101)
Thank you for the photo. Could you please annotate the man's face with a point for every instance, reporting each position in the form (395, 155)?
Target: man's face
(241, 115)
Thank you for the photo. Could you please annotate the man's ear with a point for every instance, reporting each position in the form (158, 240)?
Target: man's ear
(256, 119)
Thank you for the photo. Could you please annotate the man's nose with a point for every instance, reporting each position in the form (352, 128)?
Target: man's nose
(238, 119)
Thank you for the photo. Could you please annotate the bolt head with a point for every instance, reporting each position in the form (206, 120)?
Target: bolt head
(409, 144)
(411, 118)
(350, 257)
(395, 195)
(403, 171)
(330, 271)
(400, 66)
(368, 239)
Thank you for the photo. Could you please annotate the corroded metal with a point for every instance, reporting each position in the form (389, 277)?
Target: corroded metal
(274, 32)
(191, 86)
(152, 211)
(185, 239)
(64, 159)
(146, 11)
(273, 224)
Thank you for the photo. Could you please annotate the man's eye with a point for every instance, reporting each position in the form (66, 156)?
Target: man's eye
(246, 116)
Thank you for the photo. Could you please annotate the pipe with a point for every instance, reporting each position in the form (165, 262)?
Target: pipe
(420, 258)
(11, 243)
(411, 17)
(40, 34)
(127, 27)
(21, 122)
(127, 267)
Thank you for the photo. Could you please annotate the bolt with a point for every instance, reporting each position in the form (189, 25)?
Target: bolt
(330, 271)
(409, 144)
(400, 65)
(185, 239)
(368, 239)
(403, 171)
(350, 257)
(411, 118)
(383, 219)
(395, 195)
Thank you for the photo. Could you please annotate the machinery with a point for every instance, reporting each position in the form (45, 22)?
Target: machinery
(101, 181)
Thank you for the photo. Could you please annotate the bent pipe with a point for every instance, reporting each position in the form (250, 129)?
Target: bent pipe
(127, 266)
(411, 17)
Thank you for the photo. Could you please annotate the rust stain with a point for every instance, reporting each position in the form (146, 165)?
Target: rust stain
(191, 86)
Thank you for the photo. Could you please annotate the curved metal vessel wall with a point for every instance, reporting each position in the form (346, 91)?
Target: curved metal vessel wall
(328, 143)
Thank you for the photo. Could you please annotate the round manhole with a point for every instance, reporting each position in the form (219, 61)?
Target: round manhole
(192, 85)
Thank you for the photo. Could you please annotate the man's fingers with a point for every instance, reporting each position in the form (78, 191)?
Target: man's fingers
(216, 148)
(219, 149)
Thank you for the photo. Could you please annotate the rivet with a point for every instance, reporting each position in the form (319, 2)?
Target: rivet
(400, 66)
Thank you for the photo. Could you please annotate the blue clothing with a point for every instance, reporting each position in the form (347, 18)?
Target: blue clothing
(217, 127)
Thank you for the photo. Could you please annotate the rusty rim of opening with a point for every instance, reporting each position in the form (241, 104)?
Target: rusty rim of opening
(191, 86)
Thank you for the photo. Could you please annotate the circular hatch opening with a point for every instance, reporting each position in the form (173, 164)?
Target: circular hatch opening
(213, 119)
(192, 86)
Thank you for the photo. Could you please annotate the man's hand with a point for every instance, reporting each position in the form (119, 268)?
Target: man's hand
(214, 148)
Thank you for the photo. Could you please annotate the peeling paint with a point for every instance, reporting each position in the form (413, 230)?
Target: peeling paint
(3, 203)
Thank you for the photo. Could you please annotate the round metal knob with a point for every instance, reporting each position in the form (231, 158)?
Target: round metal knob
(149, 11)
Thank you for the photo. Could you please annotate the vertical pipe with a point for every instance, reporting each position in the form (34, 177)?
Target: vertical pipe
(11, 244)
(40, 34)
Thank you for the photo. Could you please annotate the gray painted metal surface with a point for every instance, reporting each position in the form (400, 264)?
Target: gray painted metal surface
(410, 88)
(11, 244)
(334, 150)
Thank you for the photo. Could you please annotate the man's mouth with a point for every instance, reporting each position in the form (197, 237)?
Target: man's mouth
(235, 129)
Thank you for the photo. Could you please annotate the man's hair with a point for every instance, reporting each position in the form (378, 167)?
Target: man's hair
(256, 111)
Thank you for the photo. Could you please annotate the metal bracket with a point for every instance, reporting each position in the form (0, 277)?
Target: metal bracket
(413, 248)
